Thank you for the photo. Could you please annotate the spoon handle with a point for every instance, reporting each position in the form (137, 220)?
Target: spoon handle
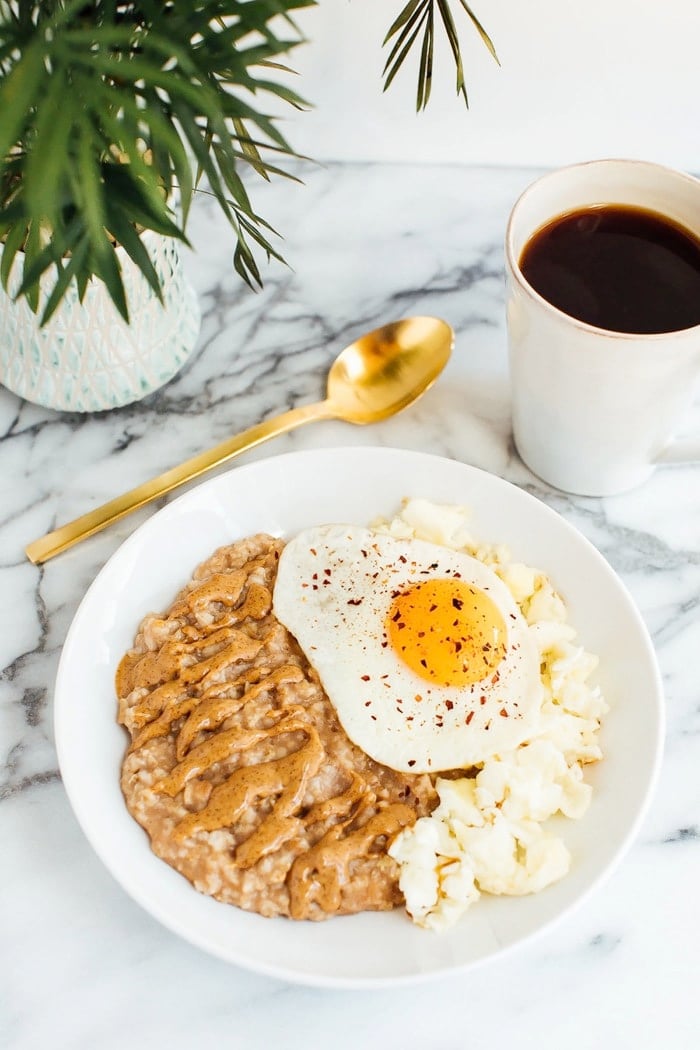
(88, 524)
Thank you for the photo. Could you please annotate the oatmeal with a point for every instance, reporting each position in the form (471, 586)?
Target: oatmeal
(238, 768)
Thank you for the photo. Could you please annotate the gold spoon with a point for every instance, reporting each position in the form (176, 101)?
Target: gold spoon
(373, 378)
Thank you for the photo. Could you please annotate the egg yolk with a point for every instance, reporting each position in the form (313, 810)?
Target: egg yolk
(447, 632)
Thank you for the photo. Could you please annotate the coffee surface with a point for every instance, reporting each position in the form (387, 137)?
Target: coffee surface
(621, 268)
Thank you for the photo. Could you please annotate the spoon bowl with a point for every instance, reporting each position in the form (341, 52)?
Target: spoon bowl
(373, 378)
(386, 370)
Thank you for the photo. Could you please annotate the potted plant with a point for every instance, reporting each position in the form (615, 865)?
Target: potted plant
(111, 113)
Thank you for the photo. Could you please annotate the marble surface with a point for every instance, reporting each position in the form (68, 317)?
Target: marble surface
(82, 965)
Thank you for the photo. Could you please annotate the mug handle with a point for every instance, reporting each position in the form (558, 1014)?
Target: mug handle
(687, 450)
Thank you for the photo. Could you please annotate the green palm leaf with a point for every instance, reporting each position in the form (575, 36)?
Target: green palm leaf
(416, 17)
(107, 108)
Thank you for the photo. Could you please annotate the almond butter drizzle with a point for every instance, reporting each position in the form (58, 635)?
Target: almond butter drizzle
(284, 778)
(214, 710)
(340, 805)
(318, 875)
(223, 587)
(175, 664)
(160, 726)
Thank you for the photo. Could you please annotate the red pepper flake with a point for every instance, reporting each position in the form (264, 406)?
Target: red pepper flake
(495, 678)
(424, 663)
(418, 698)
(365, 677)
(384, 644)
(315, 576)
(457, 603)
(368, 703)
(421, 634)
(401, 625)
(449, 704)
(326, 582)
(503, 713)
(482, 700)
(512, 616)
(363, 553)
(402, 559)
(396, 616)
(313, 551)
(411, 762)
(327, 572)
(432, 608)
(383, 676)
(469, 717)
(355, 601)
(458, 647)
(373, 717)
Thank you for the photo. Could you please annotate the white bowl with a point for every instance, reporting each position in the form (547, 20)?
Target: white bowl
(280, 495)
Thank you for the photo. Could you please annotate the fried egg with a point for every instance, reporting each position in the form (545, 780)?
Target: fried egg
(422, 650)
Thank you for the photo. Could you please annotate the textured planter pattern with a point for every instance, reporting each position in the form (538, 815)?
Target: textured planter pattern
(87, 359)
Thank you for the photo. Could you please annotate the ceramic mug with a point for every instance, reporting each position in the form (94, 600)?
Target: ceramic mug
(594, 411)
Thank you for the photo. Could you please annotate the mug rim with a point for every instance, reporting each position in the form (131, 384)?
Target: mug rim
(514, 266)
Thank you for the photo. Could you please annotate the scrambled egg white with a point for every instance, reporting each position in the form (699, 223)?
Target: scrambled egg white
(487, 833)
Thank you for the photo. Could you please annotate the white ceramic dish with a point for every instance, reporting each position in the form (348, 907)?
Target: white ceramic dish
(281, 495)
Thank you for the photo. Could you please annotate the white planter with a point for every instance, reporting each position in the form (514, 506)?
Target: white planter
(87, 359)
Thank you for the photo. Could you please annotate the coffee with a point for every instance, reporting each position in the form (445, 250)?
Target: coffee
(618, 267)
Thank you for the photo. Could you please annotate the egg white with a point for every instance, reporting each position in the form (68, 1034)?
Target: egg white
(333, 592)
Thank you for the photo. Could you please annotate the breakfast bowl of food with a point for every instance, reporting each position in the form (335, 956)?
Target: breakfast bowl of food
(358, 697)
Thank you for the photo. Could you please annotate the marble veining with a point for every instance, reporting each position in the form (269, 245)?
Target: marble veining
(81, 965)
